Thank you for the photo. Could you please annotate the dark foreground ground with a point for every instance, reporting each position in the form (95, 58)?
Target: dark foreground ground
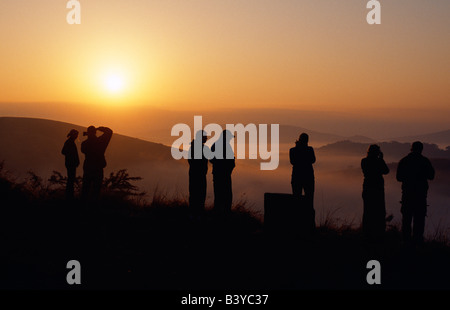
(160, 247)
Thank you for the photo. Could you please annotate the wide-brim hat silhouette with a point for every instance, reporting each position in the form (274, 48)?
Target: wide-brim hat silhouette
(91, 131)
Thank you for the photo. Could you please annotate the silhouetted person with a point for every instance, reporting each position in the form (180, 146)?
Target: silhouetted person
(72, 161)
(223, 164)
(302, 158)
(414, 171)
(374, 216)
(94, 150)
(198, 168)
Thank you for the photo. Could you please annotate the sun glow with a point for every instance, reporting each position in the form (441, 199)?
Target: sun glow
(114, 83)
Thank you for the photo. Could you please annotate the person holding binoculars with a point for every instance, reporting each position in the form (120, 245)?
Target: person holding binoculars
(94, 150)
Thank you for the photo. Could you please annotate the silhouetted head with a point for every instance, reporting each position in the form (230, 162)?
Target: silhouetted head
(373, 150)
(91, 132)
(73, 134)
(417, 147)
(201, 135)
(303, 139)
(227, 136)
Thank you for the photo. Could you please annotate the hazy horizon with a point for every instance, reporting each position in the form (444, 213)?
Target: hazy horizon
(154, 124)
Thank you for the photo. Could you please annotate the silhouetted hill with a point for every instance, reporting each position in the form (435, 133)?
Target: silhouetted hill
(35, 144)
(289, 134)
(441, 138)
(361, 139)
(393, 151)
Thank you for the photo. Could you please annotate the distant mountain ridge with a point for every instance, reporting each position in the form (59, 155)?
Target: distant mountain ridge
(393, 151)
(441, 138)
(289, 134)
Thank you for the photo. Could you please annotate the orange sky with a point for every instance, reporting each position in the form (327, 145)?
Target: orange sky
(214, 53)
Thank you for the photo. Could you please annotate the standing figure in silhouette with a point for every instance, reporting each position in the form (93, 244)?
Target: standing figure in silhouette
(302, 158)
(94, 150)
(414, 171)
(374, 216)
(72, 161)
(223, 164)
(198, 168)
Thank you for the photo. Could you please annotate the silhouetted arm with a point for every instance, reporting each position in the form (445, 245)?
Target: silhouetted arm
(400, 171)
(313, 156)
(292, 157)
(83, 147)
(363, 165)
(64, 149)
(384, 168)
(190, 155)
(231, 163)
(105, 137)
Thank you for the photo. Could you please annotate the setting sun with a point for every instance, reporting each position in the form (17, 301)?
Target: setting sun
(114, 83)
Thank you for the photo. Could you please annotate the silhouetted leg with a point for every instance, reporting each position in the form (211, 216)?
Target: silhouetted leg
(376, 212)
(296, 189)
(192, 194)
(381, 213)
(418, 229)
(407, 210)
(223, 195)
(228, 194)
(202, 193)
(197, 193)
(71, 175)
(97, 184)
(309, 186)
(419, 221)
(366, 212)
(218, 194)
(87, 184)
(406, 226)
